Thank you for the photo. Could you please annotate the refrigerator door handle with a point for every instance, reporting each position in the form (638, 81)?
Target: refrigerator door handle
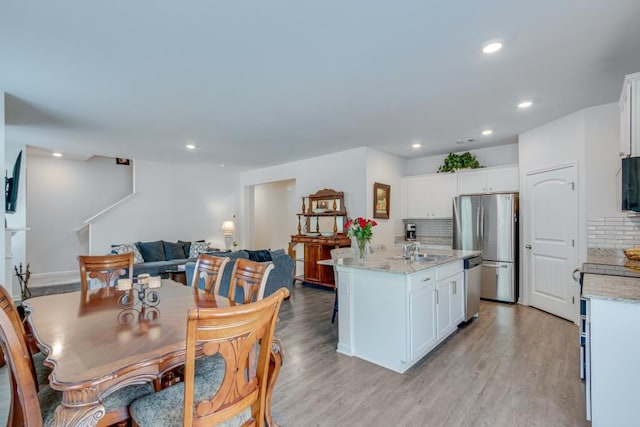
(482, 226)
(495, 265)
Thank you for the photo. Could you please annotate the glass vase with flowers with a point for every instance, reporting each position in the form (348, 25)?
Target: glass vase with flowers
(362, 230)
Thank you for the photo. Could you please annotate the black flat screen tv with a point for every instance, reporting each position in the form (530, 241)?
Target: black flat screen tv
(11, 187)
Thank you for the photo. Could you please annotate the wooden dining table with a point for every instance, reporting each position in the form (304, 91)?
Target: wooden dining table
(98, 343)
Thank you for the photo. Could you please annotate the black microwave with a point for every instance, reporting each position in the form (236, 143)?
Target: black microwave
(631, 184)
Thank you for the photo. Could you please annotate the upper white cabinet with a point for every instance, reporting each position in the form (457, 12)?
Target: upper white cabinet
(429, 196)
(629, 116)
(488, 180)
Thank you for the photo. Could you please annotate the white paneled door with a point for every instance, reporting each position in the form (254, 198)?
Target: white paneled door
(550, 247)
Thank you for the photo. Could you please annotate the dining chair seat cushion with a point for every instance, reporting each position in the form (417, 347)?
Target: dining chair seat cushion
(50, 399)
(42, 371)
(166, 407)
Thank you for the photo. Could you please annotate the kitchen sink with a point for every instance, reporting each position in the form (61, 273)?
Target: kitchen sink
(423, 257)
(435, 256)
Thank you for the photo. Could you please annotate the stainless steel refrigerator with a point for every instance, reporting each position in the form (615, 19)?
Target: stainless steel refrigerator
(489, 223)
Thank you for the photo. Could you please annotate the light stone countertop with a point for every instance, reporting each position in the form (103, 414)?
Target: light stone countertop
(386, 261)
(614, 288)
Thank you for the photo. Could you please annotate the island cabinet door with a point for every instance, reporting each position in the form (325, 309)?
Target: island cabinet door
(457, 299)
(443, 308)
(422, 314)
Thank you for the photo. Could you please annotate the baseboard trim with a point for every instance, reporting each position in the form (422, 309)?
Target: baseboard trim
(54, 278)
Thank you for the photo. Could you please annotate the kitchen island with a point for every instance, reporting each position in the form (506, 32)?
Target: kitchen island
(394, 311)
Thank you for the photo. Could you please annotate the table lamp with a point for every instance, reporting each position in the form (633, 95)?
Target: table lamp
(228, 227)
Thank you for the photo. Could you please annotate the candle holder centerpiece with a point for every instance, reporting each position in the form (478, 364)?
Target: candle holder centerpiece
(142, 291)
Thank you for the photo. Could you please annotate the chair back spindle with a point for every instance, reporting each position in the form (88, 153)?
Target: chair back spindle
(105, 268)
(252, 277)
(210, 268)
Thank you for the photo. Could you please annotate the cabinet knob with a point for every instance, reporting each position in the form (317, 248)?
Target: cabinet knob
(528, 246)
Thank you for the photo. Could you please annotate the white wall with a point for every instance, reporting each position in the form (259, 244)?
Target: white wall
(275, 207)
(492, 156)
(173, 202)
(588, 138)
(61, 194)
(602, 133)
(16, 244)
(386, 169)
(344, 171)
(3, 265)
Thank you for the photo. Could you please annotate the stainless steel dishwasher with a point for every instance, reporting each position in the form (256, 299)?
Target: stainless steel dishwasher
(472, 279)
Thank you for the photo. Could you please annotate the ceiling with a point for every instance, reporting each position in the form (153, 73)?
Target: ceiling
(257, 83)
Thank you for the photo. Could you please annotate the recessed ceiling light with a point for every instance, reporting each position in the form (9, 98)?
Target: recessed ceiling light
(487, 132)
(492, 47)
(525, 104)
(190, 146)
(221, 165)
(416, 145)
(56, 154)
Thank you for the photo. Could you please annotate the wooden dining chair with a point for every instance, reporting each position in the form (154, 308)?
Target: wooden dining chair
(233, 392)
(39, 371)
(210, 268)
(336, 254)
(106, 268)
(252, 277)
(30, 407)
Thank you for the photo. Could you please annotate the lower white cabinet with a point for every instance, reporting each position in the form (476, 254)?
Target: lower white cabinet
(613, 346)
(457, 298)
(422, 305)
(443, 308)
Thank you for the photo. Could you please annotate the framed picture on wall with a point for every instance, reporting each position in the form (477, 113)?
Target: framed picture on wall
(381, 200)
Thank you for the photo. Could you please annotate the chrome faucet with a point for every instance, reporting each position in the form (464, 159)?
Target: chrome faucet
(409, 249)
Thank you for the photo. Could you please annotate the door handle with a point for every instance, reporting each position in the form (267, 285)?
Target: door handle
(528, 246)
(576, 279)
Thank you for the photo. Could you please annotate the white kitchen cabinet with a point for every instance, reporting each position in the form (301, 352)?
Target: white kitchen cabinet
(422, 304)
(449, 297)
(629, 116)
(417, 201)
(614, 327)
(430, 196)
(457, 298)
(442, 187)
(488, 180)
(443, 308)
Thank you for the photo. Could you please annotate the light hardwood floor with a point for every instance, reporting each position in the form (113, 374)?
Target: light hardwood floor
(513, 366)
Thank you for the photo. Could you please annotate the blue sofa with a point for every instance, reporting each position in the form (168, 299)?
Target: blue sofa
(157, 257)
(280, 277)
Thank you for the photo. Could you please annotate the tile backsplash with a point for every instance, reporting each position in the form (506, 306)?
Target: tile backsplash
(613, 232)
(427, 229)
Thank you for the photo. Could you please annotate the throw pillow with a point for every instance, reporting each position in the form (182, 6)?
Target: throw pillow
(126, 248)
(186, 247)
(259, 256)
(197, 248)
(152, 251)
(173, 250)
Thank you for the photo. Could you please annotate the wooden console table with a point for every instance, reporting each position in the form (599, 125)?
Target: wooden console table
(317, 248)
(320, 223)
